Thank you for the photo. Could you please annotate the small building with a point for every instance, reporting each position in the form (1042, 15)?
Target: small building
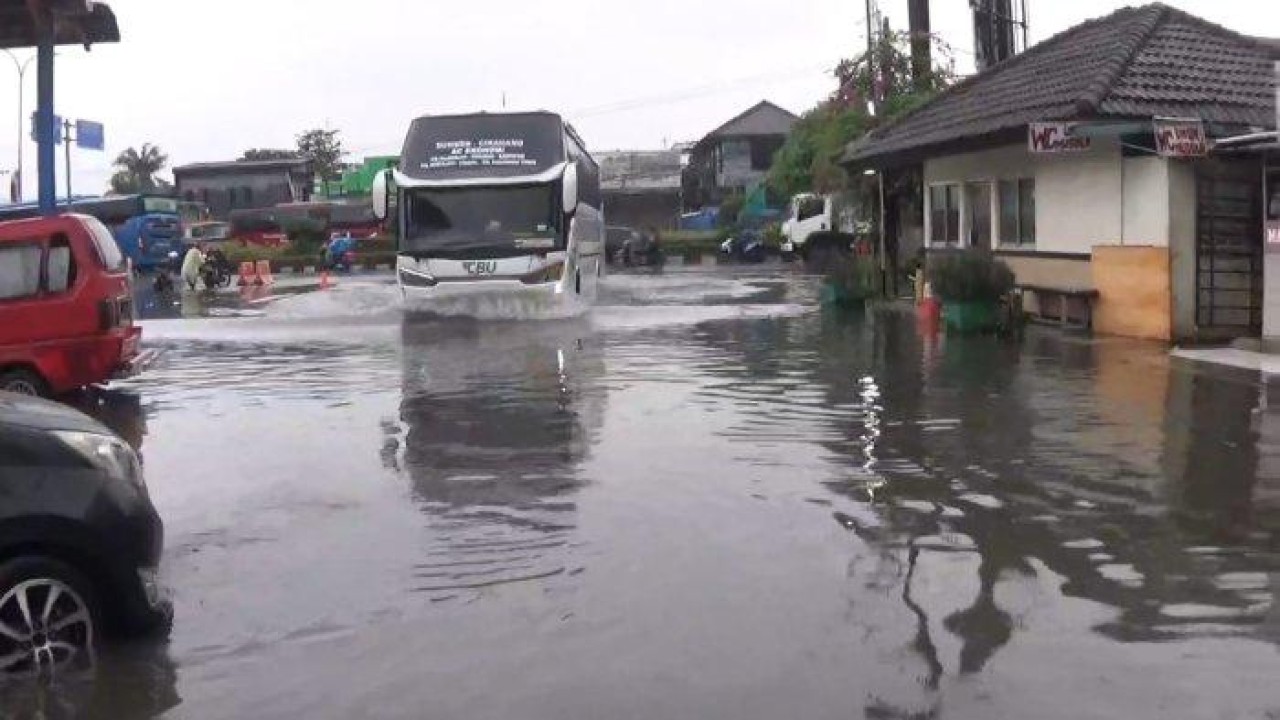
(737, 155)
(244, 184)
(1085, 163)
(642, 188)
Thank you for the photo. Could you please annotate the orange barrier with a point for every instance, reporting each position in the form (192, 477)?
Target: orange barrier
(264, 273)
(247, 273)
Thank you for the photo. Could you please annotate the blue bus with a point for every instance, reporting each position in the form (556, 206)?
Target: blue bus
(146, 227)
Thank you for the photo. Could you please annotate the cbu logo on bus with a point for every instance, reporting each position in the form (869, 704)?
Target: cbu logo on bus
(480, 267)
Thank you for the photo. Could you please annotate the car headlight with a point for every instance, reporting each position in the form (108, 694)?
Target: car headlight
(106, 453)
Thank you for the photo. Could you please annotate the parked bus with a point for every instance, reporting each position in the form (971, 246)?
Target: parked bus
(505, 205)
(145, 227)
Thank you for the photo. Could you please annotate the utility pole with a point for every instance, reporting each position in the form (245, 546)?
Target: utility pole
(66, 145)
(21, 67)
(921, 41)
(873, 26)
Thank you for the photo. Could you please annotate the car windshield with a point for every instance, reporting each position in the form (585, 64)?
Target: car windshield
(482, 221)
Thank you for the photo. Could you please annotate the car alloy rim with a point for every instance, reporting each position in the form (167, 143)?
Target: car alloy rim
(21, 387)
(45, 626)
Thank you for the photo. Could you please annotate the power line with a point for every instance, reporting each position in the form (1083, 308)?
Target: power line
(699, 91)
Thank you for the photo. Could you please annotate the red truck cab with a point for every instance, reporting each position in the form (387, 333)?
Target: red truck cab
(66, 307)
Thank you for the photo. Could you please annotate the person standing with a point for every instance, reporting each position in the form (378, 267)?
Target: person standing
(192, 262)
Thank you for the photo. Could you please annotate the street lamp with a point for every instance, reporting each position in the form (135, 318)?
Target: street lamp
(21, 67)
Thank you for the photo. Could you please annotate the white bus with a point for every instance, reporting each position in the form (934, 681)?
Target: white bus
(498, 205)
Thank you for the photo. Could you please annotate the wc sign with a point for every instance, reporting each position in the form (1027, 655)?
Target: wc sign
(1180, 138)
(1056, 138)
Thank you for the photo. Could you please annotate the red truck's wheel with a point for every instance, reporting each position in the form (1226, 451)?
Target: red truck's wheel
(23, 382)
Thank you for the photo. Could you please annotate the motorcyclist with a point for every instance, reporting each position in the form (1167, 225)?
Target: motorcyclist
(339, 246)
(192, 263)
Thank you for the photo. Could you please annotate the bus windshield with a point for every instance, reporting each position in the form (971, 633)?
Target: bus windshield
(482, 221)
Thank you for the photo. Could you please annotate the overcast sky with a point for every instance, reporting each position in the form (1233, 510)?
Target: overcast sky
(207, 80)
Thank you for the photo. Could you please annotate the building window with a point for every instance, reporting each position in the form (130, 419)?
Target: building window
(190, 196)
(762, 152)
(1018, 212)
(944, 214)
(977, 198)
(246, 195)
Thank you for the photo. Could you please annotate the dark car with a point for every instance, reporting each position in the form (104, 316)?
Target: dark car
(79, 539)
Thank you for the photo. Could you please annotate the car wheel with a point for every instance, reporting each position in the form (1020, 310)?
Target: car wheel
(48, 618)
(23, 382)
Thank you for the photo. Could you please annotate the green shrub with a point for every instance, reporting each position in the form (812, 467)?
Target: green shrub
(773, 236)
(971, 275)
(854, 277)
(379, 243)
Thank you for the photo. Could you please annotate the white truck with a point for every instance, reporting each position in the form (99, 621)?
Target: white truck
(831, 217)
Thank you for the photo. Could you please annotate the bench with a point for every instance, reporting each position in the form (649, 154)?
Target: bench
(1054, 304)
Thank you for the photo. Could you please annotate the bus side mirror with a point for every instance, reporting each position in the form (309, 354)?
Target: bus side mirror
(569, 189)
(378, 194)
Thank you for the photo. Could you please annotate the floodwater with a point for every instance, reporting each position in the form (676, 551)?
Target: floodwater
(706, 499)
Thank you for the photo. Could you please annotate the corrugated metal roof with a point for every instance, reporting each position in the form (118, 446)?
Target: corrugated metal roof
(638, 171)
(1137, 62)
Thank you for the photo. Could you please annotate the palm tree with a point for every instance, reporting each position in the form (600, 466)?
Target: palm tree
(136, 169)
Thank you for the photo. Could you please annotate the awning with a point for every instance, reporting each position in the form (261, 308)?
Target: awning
(76, 22)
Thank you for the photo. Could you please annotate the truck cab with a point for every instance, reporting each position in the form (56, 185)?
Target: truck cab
(66, 307)
(807, 214)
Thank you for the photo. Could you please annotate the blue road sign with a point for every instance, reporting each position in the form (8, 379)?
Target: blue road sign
(57, 129)
(89, 135)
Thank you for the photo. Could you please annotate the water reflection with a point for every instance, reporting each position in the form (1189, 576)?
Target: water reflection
(136, 681)
(495, 421)
(1139, 482)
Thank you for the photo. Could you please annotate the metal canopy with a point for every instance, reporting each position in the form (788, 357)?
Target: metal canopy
(75, 22)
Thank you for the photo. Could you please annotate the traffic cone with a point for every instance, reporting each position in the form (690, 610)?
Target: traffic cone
(324, 279)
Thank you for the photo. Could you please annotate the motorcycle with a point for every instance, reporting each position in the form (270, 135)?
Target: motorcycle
(163, 282)
(746, 247)
(641, 250)
(216, 270)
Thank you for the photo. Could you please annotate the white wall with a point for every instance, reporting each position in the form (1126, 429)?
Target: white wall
(1146, 201)
(1082, 199)
(1182, 246)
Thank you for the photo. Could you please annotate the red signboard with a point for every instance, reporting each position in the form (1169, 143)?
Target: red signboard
(1056, 137)
(1180, 138)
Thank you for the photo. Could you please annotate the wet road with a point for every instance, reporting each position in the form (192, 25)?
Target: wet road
(706, 500)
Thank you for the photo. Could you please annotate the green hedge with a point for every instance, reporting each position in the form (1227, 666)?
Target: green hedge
(291, 258)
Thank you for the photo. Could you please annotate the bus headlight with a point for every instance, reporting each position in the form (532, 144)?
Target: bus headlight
(548, 274)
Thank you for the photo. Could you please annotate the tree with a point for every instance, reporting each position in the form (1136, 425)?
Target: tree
(810, 159)
(136, 170)
(324, 149)
(269, 154)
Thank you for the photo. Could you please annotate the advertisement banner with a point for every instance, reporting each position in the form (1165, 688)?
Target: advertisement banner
(1180, 138)
(1056, 138)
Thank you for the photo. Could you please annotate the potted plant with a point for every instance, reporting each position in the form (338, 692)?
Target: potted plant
(970, 284)
(850, 281)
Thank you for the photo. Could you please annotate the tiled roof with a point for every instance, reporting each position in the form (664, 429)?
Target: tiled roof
(1135, 63)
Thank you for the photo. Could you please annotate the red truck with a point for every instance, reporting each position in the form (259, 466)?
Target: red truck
(66, 307)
